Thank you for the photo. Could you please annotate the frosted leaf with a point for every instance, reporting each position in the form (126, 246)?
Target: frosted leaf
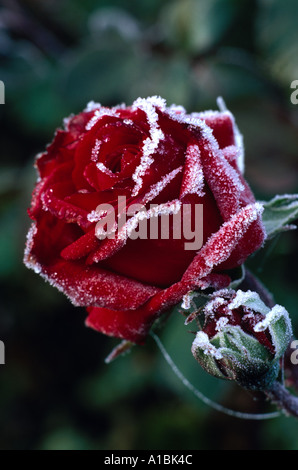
(250, 300)
(273, 316)
(202, 342)
(193, 178)
(157, 188)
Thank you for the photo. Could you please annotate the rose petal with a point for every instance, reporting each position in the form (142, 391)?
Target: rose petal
(132, 325)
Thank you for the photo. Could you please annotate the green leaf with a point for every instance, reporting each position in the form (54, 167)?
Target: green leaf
(279, 213)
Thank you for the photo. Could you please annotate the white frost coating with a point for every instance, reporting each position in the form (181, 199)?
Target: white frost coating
(221, 323)
(151, 143)
(101, 233)
(91, 106)
(193, 174)
(101, 166)
(186, 301)
(34, 265)
(177, 109)
(195, 119)
(202, 342)
(98, 114)
(157, 188)
(225, 292)
(211, 306)
(169, 208)
(95, 150)
(248, 299)
(239, 223)
(273, 316)
(96, 215)
(238, 136)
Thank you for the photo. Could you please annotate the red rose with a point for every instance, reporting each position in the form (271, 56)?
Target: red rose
(147, 154)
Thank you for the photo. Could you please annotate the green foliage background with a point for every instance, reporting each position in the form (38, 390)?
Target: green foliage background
(56, 392)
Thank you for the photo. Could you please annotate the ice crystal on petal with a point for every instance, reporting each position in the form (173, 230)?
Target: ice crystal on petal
(150, 144)
(98, 114)
(169, 208)
(193, 181)
(95, 150)
(101, 166)
(213, 305)
(91, 106)
(28, 259)
(233, 231)
(238, 136)
(96, 215)
(158, 187)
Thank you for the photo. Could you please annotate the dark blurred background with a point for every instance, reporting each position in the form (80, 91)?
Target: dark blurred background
(56, 392)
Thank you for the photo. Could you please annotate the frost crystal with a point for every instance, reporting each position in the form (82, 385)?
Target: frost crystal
(104, 169)
(213, 305)
(238, 136)
(95, 150)
(98, 114)
(96, 215)
(221, 323)
(202, 342)
(151, 143)
(248, 299)
(168, 208)
(193, 182)
(274, 315)
(186, 301)
(91, 106)
(157, 188)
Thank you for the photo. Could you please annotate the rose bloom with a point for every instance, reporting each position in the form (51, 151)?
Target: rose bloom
(151, 154)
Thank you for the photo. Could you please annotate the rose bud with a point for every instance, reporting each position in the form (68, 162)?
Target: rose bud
(242, 339)
(111, 172)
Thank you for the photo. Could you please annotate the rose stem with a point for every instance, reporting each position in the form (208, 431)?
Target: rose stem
(279, 395)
